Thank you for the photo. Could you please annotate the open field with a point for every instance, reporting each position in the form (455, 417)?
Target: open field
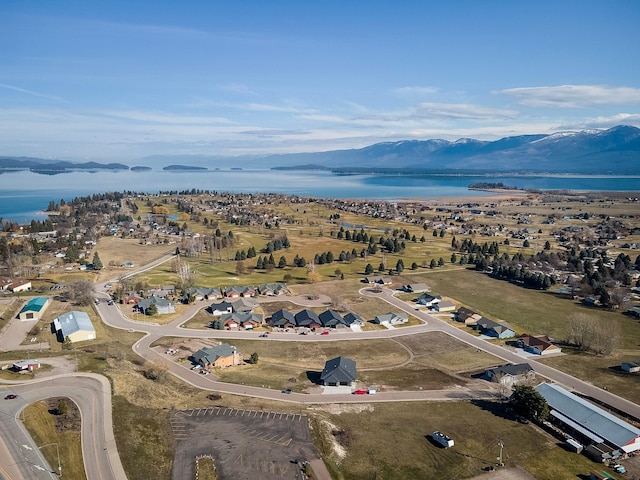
(41, 424)
(388, 440)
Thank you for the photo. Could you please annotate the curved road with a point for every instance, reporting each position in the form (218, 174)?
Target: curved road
(21, 459)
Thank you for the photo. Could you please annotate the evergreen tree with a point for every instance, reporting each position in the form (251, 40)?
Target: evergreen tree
(432, 264)
(97, 263)
(399, 266)
(282, 262)
(368, 270)
(528, 402)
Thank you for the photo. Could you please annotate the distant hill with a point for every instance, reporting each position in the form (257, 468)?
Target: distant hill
(41, 165)
(615, 151)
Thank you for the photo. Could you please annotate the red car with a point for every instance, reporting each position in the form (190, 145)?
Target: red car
(325, 333)
(360, 392)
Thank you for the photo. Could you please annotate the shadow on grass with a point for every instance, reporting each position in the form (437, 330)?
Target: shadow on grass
(499, 409)
(314, 376)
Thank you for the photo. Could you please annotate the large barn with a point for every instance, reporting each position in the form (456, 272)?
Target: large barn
(76, 326)
(590, 421)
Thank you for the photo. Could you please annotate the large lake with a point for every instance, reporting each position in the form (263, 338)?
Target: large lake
(23, 194)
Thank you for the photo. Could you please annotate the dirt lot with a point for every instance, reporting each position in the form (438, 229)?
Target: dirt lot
(243, 443)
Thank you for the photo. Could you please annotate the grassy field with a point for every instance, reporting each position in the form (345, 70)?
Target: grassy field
(393, 441)
(41, 426)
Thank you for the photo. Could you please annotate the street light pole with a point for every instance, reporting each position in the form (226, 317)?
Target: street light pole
(58, 452)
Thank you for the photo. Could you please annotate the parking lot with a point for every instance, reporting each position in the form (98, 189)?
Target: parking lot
(243, 443)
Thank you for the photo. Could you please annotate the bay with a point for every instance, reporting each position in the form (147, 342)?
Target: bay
(23, 194)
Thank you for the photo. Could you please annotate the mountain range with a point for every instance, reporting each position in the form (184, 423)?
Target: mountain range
(615, 151)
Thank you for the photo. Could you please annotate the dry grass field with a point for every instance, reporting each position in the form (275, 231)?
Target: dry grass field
(388, 440)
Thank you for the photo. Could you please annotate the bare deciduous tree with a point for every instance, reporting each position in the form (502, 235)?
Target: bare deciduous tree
(81, 292)
(592, 334)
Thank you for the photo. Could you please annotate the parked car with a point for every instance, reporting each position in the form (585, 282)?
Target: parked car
(286, 390)
(11, 396)
(326, 332)
(263, 335)
(360, 392)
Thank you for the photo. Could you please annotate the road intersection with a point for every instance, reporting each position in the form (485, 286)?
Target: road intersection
(22, 460)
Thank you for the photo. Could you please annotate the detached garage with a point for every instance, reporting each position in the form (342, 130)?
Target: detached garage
(34, 308)
(75, 325)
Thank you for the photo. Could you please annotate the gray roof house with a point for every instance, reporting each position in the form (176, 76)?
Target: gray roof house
(511, 374)
(429, 300)
(331, 319)
(415, 287)
(495, 329)
(590, 420)
(391, 318)
(74, 325)
(220, 308)
(338, 371)
(307, 318)
(353, 319)
(283, 319)
(630, 367)
(163, 305)
(223, 355)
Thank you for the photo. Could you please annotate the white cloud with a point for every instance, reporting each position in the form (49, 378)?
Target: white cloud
(167, 118)
(573, 96)
(632, 119)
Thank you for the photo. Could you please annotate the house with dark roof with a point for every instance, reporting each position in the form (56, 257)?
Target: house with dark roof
(34, 308)
(588, 421)
(429, 300)
(509, 375)
(338, 371)
(271, 289)
(353, 319)
(283, 319)
(538, 345)
(468, 316)
(307, 318)
(494, 329)
(331, 319)
(383, 280)
(220, 308)
(223, 355)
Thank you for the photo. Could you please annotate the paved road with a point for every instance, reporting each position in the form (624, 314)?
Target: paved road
(22, 458)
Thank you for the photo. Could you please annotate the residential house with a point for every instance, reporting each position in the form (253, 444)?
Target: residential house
(540, 344)
(283, 319)
(429, 300)
(17, 287)
(331, 319)
(509, 375)
(495, 329)
(131, 299)
(631, 367)
(203, 293)
(4, 283)
(353, 319)
(240, 291)
(163, 306)
(161, 292)
(307, 318)
(34, 308)
(220, 308)
(74, 325)
(223, 355)
(444, 306)
(272, 289)
(338, 371)
(415, 288)
(469, 317)
(244, 305)
(391, 318)
(246, 320)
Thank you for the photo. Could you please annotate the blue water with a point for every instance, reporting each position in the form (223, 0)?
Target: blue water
(23, 194)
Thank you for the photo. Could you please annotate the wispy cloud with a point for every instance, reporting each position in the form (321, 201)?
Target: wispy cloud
(166, 118)
(237, 88)
(415, 91)
(462, 111)
(573, 96)
(31, 93)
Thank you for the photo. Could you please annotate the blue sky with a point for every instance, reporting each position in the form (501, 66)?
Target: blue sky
(119, 80)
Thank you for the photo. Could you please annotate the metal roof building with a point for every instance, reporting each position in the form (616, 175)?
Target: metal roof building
(75, 325)
(590, 420)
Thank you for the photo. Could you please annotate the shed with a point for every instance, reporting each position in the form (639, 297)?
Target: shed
(631, 367)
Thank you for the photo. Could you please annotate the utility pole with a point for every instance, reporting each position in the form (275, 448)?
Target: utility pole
(501, 444)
